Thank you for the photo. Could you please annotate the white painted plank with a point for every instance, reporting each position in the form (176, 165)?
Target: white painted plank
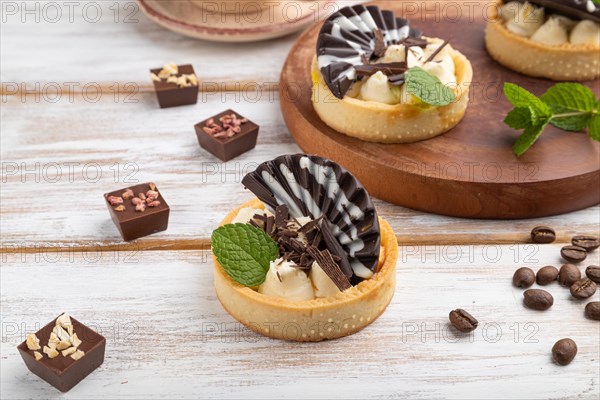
(105, 42)
(152, 308)
(59, 158)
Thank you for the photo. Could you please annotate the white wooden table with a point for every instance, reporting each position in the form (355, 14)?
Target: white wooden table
(167, 335)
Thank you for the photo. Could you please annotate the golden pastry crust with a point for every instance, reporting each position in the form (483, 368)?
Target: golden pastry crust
(566, 62)
(314, 320)
(383, 123)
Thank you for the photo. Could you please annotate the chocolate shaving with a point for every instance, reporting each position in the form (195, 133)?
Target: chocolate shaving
(436, 52)
(335, 248)
(278, 276)
(380, 46)
(281, 216)
(289, 233)
(414, 42)
(310, 226)
(269, 225)
(364, 58)
(285, 231)
(260, 217)
(317, 239)
(328, 265)
(397, 80)
(305, 261)
(388, 69)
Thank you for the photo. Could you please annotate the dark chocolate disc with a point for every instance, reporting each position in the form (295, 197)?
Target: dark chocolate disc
(580, 9)
(312, 186)
(352, 35)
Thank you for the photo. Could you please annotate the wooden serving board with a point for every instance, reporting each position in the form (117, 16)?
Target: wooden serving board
(470, 171)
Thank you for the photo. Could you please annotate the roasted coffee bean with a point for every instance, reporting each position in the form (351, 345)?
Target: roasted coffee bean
(583, 289)
(538, 299)
(568, 274)
(462, 320)
(523, 277)
(546, 275)
(593, 272)
(564, 351)
(592, 310)
(574, 254)
(589, 243)
(543, 234)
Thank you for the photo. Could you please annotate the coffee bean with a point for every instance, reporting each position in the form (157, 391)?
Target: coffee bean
(543, 234)
(538, 299)
(546, 275)
(564, 351)
(574, 254)
(583, 289)
(589, 243)
(462, 320)
(523, 277)
(592, 310)
(593, 272)
(568, 274)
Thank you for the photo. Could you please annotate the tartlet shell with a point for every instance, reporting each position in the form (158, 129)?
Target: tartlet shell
(566, 62)
(314, 320)
(383, 123)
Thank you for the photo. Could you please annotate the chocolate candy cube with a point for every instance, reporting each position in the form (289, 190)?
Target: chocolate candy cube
(64, 372)
(171, 94)
(138, 211)
(227, 135)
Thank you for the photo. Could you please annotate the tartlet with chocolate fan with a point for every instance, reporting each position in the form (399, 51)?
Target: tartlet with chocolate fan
(378, 79)
(309, 259)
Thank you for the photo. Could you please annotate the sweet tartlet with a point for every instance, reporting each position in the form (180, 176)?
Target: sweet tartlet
(333, 269)
(364, 78)
(554, 39)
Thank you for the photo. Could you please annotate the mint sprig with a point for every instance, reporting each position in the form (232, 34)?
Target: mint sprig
(428, 88)
(245, 252)
(568, 106)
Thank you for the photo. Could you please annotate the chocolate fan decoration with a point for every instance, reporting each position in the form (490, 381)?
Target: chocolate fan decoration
(315, 187)
(355, 34)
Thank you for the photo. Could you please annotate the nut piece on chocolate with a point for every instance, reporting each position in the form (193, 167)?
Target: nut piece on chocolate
(227, 135)
(175, 85)
(138, 211)
(64, 372)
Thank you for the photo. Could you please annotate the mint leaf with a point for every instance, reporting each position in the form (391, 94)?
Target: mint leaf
(520, 118)
(572, 105)
(245, 252)
(564, 97)
(571, 123)
(428, 88)
(520, 97)
(594, 130)
(528, 138)
(568, 106)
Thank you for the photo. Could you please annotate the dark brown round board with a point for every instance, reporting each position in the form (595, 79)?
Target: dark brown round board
(469, 171)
